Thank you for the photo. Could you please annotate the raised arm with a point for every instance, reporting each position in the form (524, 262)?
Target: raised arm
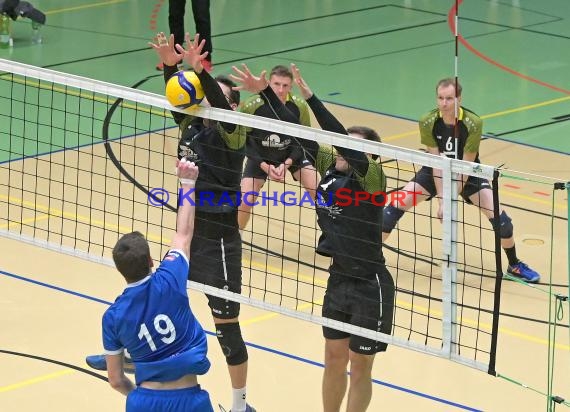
(187, 173)
(170, 58)
(357, 160)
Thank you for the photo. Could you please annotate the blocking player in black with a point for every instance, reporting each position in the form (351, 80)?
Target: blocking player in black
(360, 289)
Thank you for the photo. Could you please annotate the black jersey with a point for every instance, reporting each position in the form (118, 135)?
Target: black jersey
(351, 228)
(270, 147)
(435, 133)
(217, 148)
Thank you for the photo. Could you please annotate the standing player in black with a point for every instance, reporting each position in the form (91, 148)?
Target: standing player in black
(360, 290)
(218, 149)
(437, 130)
(270, 154)
(201, 13)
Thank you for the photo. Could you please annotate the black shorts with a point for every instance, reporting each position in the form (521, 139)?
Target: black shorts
(424, 177)
(215, 259)
(253, 169)
(368, 303)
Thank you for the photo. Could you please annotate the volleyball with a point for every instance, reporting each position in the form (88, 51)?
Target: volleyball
(184, 90)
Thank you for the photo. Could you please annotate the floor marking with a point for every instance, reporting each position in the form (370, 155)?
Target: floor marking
(83, 7)
(33, 381)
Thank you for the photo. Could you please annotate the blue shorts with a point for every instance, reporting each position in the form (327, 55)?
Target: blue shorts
(192, 399)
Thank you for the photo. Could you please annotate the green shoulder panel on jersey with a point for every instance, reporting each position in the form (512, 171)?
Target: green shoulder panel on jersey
(374, 180)
(251, 104)
(235, 140)
(474, 126)
(305, 117)
(185, 122)
(426, 124)
(326, 157)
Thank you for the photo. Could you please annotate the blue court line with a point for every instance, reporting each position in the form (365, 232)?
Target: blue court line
(255, 346)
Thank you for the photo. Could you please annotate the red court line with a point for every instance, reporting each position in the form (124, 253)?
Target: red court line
(468, 46)
(512, 186)
(542, 194)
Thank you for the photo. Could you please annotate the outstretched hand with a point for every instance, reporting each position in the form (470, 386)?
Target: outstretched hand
(247, 81)
(193, 55)
(306, 92)
(165, 49)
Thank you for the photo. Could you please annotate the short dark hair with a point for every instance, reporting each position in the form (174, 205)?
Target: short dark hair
(449, 81)
(367, 133)
(131, 255)
(234, 94)
(281, 71)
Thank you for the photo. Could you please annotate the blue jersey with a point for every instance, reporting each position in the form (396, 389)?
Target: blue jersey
(153, 321)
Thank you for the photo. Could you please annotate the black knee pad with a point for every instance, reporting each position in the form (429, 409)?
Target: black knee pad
(390, 218)
(505, 225)
(233, 346)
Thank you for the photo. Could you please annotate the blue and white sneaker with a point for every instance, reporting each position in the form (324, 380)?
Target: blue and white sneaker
(524, 272)
(100, 363)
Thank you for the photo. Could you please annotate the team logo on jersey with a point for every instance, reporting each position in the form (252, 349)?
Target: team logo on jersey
(274, 141)
(325, 186)
(334, 210)
(185, 151)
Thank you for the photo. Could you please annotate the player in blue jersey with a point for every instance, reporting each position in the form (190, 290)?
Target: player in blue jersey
(218, 148)
(152, 319)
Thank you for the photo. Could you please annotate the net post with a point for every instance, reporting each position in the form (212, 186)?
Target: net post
(449, 251)
(498, 279)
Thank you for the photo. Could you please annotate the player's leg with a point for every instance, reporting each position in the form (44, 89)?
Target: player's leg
(220, 259)
(420, 188)
(336, 343)
(251, 183)
(360, 389)
(308, 176)
(176, 10)
(478, 192)
(201, 10)
(334, 376)
(372, 308)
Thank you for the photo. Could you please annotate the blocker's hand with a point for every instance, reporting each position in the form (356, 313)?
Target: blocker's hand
(165, 49)
(193, 55)
(247, 81)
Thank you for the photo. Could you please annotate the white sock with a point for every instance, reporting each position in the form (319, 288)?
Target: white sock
(238, 404)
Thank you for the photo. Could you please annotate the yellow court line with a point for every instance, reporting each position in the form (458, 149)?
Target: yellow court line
(486, 116)
(74, 216)
(399, 136)
(533, 199)
(84, 95)
(25, 221)
(273, 315)
(83, 7)
(483, 325)
(527, 107)
(38, 379)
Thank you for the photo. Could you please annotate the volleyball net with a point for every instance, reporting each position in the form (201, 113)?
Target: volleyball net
(84, 162)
